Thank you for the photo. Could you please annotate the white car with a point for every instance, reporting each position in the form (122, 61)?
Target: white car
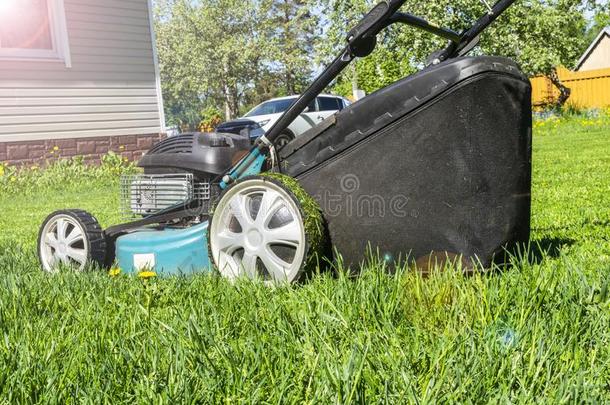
(262, 117)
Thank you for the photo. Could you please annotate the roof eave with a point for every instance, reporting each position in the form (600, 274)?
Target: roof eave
(583, 58)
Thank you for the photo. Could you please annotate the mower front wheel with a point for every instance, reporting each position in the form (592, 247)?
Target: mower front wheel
(266, 227)
(71, 239)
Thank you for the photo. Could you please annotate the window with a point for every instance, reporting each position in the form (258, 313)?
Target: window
(330, 104)
(271, 107)
(33, 30)
(312, 106)
(277, 106)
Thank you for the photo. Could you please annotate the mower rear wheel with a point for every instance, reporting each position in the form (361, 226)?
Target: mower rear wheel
(71, 239)
(261, 229)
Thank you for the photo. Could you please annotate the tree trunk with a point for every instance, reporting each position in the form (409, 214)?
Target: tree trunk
(289, 82)
(227, 109)
(234, 102)
(564, 92)
(231, 102)
(230, 98)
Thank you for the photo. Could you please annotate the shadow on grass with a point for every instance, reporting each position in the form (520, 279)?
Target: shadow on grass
(547, 247)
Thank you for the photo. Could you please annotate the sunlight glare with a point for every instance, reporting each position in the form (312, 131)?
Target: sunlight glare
(7, 5)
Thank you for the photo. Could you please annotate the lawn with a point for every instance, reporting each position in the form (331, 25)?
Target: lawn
(539, 331)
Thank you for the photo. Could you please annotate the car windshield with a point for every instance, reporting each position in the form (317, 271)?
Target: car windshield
(271, 107)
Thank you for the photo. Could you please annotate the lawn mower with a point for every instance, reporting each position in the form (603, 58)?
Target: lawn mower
(436, 165)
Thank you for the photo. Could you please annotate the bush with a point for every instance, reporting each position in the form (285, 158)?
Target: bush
(211, 118)
(61, 172)
(572, 109)
(572, 118)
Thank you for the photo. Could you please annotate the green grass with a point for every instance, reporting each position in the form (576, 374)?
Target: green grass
(538, 332)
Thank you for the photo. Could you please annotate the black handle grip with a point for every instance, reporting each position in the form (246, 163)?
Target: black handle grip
(373, 22)
(368, 22)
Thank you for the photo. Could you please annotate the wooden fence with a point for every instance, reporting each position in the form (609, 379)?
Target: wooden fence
(590, 89)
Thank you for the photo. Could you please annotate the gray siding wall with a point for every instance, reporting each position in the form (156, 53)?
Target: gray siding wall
(110, 90)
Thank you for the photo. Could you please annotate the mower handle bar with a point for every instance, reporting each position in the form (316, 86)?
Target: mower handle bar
(470, 37)
(361, 41)
(418, 22)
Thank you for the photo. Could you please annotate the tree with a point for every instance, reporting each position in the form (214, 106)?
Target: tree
(230, 54)
(541, 36)
(293, 28)
(601, 20)
(213, 49)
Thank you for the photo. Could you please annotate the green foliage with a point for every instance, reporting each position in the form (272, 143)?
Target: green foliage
(378, 70)
(182, 108)
(210, 49)
(231, 53)
(601, 20)
(211, 118)
(539, 35)
(539, 332)
(292, 25)
(571, 109)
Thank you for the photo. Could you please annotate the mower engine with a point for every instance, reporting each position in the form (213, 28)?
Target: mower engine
(148, 194)
(178, 170)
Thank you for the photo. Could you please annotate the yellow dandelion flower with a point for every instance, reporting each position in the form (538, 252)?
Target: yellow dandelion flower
(1, 170)
(147, 274)
(52, 152)
(55, 148)
(13, 179)
(114, 272)
(121, 147)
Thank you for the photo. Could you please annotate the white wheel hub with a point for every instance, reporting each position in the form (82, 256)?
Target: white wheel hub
(257, 231)
(63, 242)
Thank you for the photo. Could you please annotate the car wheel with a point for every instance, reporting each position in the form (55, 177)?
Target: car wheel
(282, 140)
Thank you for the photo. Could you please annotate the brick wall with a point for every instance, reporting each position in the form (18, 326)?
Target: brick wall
(39, 152)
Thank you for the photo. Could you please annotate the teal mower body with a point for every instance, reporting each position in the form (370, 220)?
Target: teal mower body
(168, 252)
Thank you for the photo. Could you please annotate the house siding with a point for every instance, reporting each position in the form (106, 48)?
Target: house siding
(599, 58)
(110, 90)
